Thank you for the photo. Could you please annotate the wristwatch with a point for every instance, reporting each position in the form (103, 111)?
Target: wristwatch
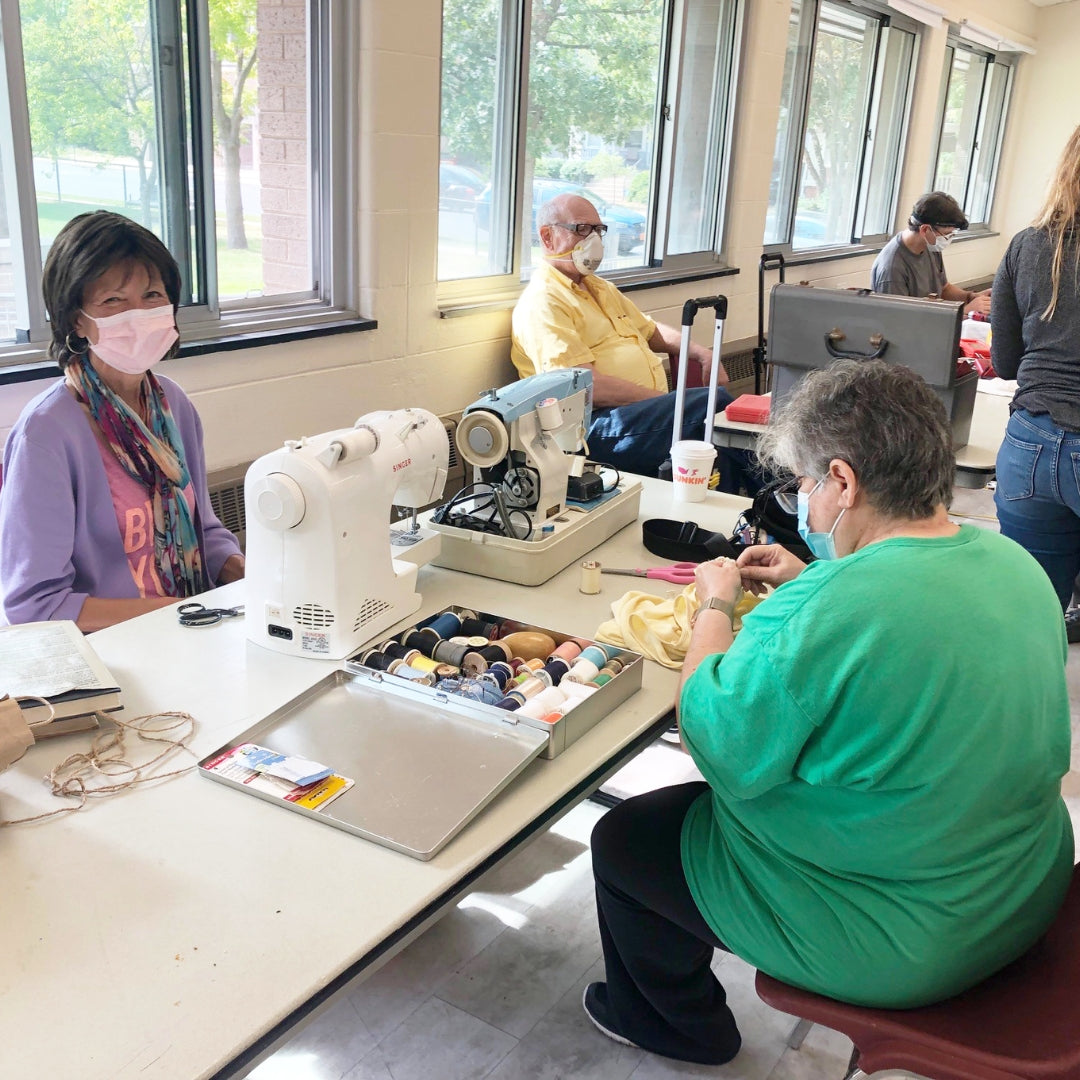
(714, 603)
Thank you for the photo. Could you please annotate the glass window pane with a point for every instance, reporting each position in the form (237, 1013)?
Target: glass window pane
(783, 177)
(591, 117)
(472, 114)
(94, 122)
(888, 122)
(703, 101)
(8, 284)
(959, 122)
(835, 128)
(991, 126)
(259, 87)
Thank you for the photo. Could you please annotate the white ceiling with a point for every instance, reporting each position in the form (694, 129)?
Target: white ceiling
(1049, 3)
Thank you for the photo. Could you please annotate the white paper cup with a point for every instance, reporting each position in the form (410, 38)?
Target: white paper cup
(691, 466)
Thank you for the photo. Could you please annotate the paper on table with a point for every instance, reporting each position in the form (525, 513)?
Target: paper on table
(232, 765)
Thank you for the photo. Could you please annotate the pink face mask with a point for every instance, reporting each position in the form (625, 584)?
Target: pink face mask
(133, 341)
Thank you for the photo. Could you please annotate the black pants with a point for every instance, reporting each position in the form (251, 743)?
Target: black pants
(661, 992)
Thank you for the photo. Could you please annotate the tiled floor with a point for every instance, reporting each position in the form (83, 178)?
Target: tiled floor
(494, 989)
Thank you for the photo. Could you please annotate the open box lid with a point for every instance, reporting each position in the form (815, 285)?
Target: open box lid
(422, 765)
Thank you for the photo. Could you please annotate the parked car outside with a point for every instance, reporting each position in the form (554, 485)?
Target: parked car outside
(629, 223)
(458, 187)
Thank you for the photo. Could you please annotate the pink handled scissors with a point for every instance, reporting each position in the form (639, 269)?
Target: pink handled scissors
(680, 573)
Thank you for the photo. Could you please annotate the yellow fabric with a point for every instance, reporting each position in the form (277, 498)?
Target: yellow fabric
(560, 324)
(659, 627)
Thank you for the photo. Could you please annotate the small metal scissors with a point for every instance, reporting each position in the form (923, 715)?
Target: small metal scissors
(195, 614)
(681, 573)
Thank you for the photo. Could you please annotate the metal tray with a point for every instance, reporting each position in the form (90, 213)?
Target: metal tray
(423, 764)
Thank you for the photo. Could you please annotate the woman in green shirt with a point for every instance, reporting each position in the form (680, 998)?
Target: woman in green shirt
(883, 744)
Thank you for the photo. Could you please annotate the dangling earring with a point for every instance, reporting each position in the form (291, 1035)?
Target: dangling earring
(71, 348)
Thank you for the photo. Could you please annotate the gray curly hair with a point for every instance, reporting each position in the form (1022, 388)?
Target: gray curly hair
(883, 420)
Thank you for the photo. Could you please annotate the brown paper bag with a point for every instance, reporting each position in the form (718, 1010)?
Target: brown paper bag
(15, 735)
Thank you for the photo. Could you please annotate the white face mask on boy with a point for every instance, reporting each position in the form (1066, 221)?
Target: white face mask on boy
(133, 341)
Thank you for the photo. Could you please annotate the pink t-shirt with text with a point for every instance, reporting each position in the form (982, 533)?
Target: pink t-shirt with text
(134, 516)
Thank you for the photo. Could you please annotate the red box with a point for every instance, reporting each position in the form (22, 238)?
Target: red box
(750, 409)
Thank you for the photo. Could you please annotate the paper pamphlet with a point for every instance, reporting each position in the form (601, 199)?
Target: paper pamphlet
(234, 765)
(54, 660)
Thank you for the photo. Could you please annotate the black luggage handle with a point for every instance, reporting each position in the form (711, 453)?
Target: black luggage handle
(692, 307)
(878, 342)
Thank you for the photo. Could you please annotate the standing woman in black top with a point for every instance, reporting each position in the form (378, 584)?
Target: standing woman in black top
(1036, 340)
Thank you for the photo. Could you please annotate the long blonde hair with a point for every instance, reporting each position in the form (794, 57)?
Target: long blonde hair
(1060, 215)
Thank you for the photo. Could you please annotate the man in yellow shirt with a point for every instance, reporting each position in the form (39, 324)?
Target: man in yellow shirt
(568, 317)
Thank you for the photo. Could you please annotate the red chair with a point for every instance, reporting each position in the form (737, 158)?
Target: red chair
(1022, 1023)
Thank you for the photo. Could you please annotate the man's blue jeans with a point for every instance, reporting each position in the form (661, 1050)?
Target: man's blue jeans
(1038, 495)
(637, 438)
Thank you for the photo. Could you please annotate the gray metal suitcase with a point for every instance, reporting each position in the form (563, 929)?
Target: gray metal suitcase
(811, 327)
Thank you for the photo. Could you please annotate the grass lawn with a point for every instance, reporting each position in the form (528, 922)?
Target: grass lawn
(239, 272)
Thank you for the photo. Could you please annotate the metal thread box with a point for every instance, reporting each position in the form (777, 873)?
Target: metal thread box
(577, 721)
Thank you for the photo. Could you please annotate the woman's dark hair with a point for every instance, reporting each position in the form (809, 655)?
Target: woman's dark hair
(85, 248)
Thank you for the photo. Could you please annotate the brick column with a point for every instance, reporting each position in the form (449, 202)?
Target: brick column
(282, 137)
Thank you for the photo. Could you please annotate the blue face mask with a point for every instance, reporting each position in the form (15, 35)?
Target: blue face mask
(821, 545)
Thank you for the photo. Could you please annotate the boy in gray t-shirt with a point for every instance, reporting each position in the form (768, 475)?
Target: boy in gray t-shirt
(910, 264)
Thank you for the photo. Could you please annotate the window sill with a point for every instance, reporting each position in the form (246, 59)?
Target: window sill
(625, 280)
(822, 255)
(31, 364)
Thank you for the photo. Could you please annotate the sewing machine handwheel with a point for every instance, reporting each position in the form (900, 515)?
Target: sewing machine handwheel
(482, 439)
(278, 502)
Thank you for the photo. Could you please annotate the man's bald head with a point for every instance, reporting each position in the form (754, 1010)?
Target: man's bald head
(568, 209)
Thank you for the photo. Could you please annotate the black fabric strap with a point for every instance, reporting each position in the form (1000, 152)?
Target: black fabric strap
(684, 541)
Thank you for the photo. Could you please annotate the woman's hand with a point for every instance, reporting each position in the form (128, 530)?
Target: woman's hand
(233, 570)
(719, 578)
(768, 564)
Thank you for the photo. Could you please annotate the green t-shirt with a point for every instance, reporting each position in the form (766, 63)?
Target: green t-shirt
(885, 742)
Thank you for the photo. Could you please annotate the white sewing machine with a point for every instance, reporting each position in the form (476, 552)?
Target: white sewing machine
(321, 576)
(517, 524)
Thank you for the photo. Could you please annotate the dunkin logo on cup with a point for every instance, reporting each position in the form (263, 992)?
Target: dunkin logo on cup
(690, 476)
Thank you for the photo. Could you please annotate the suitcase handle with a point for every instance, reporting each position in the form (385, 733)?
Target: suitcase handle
(878, 342)
(770, 260)
(720, 304)
(692, 307)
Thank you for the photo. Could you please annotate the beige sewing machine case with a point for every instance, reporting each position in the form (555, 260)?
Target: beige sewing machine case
(532, 562)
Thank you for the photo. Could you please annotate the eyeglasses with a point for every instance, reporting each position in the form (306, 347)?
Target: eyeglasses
(583, 228)
(787, 495)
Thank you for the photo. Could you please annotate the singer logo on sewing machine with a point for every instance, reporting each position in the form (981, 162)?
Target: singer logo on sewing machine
(403, 464)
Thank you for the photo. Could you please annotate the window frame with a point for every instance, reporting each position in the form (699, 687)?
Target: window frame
(496, 290)
(1007, 61)
(329, 307)
(789, 181)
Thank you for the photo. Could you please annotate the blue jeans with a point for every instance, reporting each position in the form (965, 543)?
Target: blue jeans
(637, 437)
(1038, 495)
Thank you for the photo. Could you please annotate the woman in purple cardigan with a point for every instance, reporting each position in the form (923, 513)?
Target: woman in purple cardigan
(104, 508)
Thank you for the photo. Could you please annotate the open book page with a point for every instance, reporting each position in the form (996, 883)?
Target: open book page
(50, 660)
